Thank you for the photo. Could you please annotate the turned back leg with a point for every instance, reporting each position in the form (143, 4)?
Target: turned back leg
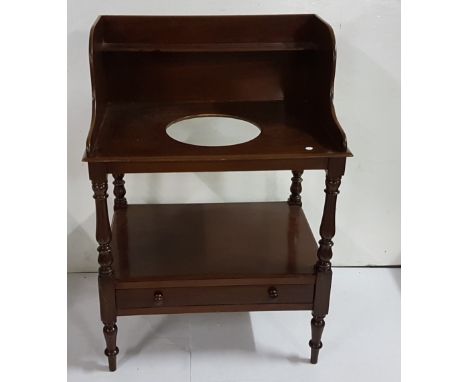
(296, 188)
(119, 191)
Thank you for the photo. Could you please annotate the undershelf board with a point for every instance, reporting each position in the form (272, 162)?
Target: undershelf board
(210, 243)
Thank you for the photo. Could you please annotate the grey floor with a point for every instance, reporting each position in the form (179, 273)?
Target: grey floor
(361, 338)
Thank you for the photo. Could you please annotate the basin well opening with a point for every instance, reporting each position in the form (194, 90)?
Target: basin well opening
(212, 130)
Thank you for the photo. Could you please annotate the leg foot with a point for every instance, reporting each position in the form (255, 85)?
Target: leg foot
(317, 324)
(110, 335)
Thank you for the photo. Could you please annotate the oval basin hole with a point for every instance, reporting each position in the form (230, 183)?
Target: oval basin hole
(212, 131)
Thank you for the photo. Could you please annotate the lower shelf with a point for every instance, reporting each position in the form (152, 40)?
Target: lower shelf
(176, 245)
(212, 257)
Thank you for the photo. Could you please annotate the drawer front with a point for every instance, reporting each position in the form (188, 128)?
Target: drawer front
(235, 295)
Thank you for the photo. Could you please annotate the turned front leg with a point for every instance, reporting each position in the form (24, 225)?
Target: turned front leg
(106, 277)
(323, 265)
(317, 325)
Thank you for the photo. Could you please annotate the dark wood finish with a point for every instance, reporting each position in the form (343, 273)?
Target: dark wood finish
(296, 189)
(275, 71)
(213, 308)
(317, 324)
(279, 78)
(327, 227)
(105, 278)
(214, 241)
(207, 47)
(239, 164)
(218, 295)
(214, 30)
(325, 253)
(119, 191)
(138, 131)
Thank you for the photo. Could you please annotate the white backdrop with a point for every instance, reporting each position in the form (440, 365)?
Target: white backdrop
(367, 102)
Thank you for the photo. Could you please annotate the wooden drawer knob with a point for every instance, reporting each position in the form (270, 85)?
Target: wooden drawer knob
(273, 292)
(158, 297)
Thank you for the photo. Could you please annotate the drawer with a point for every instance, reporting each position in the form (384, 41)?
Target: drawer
(214, 295)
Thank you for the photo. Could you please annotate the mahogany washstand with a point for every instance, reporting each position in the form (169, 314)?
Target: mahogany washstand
(275, 71)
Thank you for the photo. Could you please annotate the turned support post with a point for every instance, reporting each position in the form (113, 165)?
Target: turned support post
(324, 254)
(106, 277)
(327, 226)
(317, 325)
(296, 188)
(119, 191)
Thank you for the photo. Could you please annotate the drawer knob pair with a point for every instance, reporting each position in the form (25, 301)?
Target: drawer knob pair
(273, 292)
(158, 297)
